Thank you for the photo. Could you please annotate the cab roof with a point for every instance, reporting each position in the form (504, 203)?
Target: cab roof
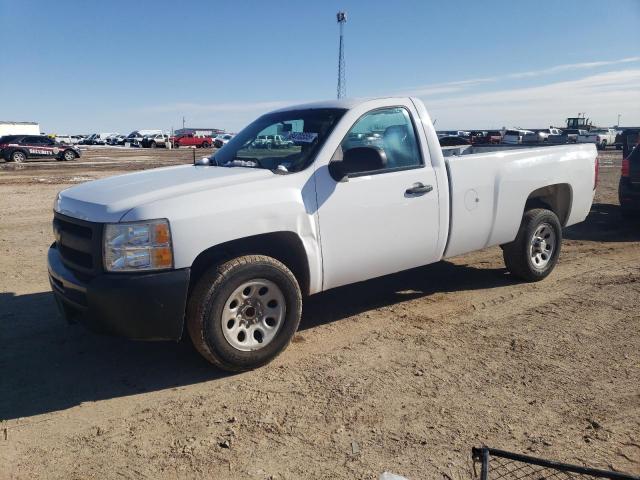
(345, 103)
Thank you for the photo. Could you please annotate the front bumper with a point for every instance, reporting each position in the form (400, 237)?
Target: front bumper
(142, 306)
(629, 195)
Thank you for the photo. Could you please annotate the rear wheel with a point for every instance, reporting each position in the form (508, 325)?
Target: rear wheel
(244, 312)
(18, 156)
(205, 145)
(153, 145)
(535, 251)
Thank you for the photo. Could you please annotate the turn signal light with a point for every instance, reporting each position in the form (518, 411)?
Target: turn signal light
(162, 257)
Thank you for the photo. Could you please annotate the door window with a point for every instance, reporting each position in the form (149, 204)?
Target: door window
(391, 132)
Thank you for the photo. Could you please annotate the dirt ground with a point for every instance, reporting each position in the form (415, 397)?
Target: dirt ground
(402, 374)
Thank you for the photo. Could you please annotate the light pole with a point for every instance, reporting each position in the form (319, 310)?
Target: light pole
(341, 17)
(618, 124)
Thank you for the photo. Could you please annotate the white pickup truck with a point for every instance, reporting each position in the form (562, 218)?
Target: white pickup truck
(230, 246)
(605, 137)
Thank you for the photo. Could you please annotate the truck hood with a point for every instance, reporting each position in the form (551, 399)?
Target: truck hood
(109, 199)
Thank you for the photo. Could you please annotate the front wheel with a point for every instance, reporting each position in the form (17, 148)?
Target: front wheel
(18, 156)
(535, 251)
(69, 155)
(205, 145)
(244, 312)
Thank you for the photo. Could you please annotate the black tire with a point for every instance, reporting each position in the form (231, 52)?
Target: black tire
(205, 145)
(518, 254)
(18, 156)
(153, 145)
(208, 299)
(175, 145)
(68, 155)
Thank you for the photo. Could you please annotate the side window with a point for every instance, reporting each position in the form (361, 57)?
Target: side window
(391, 132)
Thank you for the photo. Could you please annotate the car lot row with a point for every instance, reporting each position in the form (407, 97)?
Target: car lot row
(601, 137)
(147, 139)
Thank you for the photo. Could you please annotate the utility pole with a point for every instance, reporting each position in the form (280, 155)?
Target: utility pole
(183, 123)
(341, 17)
(618, 124)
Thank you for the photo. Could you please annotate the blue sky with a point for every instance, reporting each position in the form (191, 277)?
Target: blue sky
(80, 67)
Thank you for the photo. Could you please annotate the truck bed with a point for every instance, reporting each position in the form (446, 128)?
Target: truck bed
(490, 185)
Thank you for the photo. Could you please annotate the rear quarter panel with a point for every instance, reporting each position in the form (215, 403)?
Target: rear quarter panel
(489, 191)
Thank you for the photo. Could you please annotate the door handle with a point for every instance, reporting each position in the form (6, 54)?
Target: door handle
(418, 189)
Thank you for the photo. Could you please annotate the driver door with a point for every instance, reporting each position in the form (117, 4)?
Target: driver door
(381, 221)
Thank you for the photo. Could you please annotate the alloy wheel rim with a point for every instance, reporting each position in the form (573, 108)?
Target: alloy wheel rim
(253, 315)
(542, 246)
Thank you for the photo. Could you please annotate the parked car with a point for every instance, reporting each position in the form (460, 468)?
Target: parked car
(623, 136)
(155, 140)
(586, 136)
(631, 137)
(116, 140)
(453, 141)
(227, 248)
(134, 139)
(540, 135)
(111, 139)
(571, 134)
(605, 137)
(221, 140)
(629, 186)
(19, 148)
(101, 138)
(87, 140)
(514, 136)
(491, 137)
(363, 139)
(190, 140)
(66, 139)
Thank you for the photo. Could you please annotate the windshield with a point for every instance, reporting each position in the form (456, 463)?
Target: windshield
(286, 141)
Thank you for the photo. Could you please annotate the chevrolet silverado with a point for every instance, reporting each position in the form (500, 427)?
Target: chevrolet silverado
(227, 248)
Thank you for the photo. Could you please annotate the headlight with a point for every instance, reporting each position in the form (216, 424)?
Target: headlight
(137, 246)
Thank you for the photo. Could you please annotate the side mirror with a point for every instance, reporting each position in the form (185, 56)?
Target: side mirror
(357, 160)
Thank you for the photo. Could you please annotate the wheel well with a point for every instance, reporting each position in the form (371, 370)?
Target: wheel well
(283, 246)
(556, 198)
(22, 150)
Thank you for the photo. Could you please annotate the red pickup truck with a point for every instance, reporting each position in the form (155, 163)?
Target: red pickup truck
(190, 140)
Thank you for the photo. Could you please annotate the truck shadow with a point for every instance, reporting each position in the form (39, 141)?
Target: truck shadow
(605, 223)
(444, 276)
(47, 365)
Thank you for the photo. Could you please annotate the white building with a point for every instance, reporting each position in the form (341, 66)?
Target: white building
(19, 128)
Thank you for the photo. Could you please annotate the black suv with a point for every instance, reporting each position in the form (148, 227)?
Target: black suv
(17, 148)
